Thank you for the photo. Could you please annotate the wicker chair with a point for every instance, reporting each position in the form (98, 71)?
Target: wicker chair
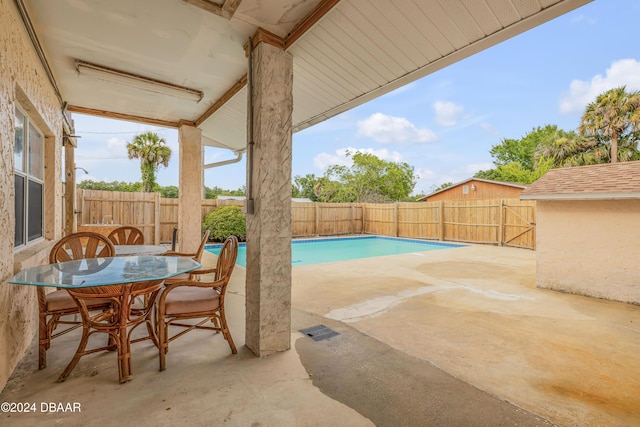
(126, 235)
(55, 305)
(191, 299)
(196, 256)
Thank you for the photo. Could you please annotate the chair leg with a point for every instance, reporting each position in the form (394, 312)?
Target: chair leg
(163, 346)
(44, 340)
(125, 372)
(226, 333)
(152, 333)
(76, 357)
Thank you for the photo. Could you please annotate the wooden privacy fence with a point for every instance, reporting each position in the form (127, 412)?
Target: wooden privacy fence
(509, 222)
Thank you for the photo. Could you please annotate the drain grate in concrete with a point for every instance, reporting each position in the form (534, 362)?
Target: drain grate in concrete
(319, 332)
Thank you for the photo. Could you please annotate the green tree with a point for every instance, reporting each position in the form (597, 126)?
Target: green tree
(515, 172)
(612, 117)
(169, 192)
(225, 221)
(368, 179)
(522, 160)
(152, 152)
(214, 192)
(110, 186)
(570, 150)
(442, 186)
(304, 186)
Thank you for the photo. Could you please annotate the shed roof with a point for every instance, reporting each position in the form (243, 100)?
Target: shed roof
(490, 181)
(597, 182)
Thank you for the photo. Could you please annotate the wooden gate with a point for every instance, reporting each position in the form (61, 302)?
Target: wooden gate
(518, 224)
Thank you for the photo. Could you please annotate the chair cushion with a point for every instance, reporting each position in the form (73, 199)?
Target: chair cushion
(61, 300)
(191, 299)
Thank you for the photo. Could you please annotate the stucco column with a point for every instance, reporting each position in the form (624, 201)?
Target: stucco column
(268, 277)
(190, 188)
(69, 188)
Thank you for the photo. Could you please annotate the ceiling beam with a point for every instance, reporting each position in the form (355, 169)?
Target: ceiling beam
(309, 21)
(237, 87)
(128, 117)
(226, 10)
(262, 35)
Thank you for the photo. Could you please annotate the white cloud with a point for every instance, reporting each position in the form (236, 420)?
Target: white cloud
(447, 113)
(583, 18)
(388, 129)
(117, 146)
(488, 128)
(84, 177)
(472, 168)
(625, 72)
(425, 174)
(324, 160)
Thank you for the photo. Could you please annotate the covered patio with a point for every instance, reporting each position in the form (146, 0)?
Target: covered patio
(230, 74)
(459, 336)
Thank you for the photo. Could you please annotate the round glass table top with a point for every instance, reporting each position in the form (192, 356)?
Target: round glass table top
(90, 272)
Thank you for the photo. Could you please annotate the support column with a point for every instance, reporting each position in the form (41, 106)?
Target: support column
(190, 185)
(70, 225)
(268, 277)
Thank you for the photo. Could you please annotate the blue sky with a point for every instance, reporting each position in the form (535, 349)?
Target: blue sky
(443, 124)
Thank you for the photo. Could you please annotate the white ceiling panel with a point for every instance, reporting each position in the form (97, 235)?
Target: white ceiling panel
(356, 51)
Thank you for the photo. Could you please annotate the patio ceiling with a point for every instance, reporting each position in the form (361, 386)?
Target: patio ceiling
(345, 52)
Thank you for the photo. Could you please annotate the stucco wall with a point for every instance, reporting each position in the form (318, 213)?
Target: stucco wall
(590, 248)
(23, 78)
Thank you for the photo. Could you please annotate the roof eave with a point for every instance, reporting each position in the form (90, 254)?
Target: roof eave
(582, 196)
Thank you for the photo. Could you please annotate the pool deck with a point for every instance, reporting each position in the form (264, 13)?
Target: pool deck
(451, 337)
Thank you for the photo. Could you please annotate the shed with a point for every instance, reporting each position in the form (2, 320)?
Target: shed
(477, 189)
(588, 231)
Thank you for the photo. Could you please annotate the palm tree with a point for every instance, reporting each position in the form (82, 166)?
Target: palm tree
(152, 152)
(568, 149)
(614, 114)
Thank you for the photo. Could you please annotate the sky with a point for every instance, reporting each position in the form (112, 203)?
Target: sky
(444, 124)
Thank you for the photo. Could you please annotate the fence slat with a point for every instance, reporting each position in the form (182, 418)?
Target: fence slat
(509, 222)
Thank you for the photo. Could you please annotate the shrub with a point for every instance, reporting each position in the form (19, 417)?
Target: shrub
(225, 221)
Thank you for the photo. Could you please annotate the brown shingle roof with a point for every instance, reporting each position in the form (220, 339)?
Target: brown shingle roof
(606, 181)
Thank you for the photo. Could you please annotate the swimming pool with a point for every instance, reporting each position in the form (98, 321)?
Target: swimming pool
(316, 251)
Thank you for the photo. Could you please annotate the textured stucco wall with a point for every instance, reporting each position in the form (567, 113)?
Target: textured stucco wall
(590, 248)
(23, 79)
(190, 196)
(268, 294)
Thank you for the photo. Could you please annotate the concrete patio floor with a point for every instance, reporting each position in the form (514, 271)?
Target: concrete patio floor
(450, 337)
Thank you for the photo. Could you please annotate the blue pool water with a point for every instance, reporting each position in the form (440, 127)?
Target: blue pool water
(316, 251)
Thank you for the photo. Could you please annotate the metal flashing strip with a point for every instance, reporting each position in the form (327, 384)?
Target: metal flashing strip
(319, 332)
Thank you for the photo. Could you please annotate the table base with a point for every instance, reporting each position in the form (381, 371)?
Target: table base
(118, 321)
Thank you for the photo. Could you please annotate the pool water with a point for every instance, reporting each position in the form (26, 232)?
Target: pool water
(316, 251)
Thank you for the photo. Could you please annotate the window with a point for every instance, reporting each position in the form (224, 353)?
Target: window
(465, 189)
(28, 157)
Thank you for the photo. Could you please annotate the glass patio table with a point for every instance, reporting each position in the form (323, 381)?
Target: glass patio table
(117, 280)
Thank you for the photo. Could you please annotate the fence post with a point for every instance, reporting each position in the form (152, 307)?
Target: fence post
(156, 213)
(441, 225)
(317, 224)
(396, 220)
(364, 224)
(501, 224)
(352, 227)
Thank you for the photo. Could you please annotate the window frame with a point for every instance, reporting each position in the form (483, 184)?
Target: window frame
(25, 173)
